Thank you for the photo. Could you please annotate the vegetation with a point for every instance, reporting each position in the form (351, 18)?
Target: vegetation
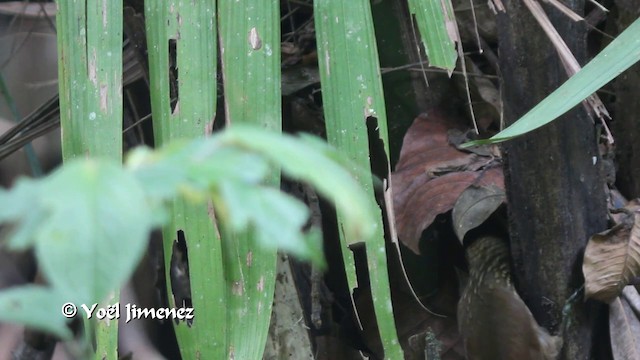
(221, 180)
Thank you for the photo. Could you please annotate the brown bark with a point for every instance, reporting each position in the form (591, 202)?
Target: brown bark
(626, 126)
(555, 192)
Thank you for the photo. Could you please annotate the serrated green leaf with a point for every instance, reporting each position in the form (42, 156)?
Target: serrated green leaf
(92, 218)
(88, 244)
(300, 159)
(18, 199)
(245, 206)
(230, 164)
(36, 307)
(196, 167)
(18, 209)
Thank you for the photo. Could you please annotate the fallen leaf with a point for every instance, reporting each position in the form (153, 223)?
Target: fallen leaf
(434, 197)
(426, 146)
(632, 295)
(624, 325)
(612, 259)
(432, 173)
(474, 206)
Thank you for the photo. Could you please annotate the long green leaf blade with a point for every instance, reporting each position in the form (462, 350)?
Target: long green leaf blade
(434, 18)
(90, 87)
(623, 52)
(352, 96)
(90, 68)
(189, 30)
(250, 48)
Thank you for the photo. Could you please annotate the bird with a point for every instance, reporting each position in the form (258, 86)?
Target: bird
(493, 321)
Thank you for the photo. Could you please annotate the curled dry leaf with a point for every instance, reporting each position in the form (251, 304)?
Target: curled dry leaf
(474, 206)
(632, 296)
(624, 325)
(431, 174)
(612, 259)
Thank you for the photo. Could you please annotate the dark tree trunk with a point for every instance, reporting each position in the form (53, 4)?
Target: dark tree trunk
(555, 190)
(626, 126)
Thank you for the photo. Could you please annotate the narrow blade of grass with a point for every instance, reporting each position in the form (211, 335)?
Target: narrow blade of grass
(189, 30)
(623, 52)
(436, 22)
(352, 96)
(250, 48)
(90, 86)
(90, 73)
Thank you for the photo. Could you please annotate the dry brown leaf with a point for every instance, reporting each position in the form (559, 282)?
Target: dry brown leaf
(632, 295)
(434, 197)
(431, 174)
(426, 144)
(474, 206)
(612, 259)
(624, 325)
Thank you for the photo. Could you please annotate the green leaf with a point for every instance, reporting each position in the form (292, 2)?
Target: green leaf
(90, 74)
(233, 162)
(354, 102)
(250, 52)
(89, 221)
(190, 26)
(434, 17)
(197, 165)
(623, 52)
(86, 241)
(246, 207)
(18, 209)
(36, 307)
(22, 195)
(89, 36)
(301, 159)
